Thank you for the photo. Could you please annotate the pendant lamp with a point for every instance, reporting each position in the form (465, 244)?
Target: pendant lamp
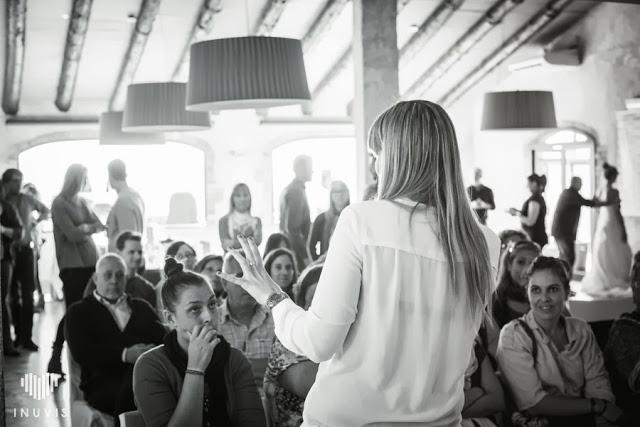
(246, 72)
(518, 110)
(159, 107)
(111, 132)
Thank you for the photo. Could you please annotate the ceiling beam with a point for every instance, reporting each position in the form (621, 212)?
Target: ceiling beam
(269, 17)
(144, 24)
(330, 12)
(429, 27)
(76, 34)
(15, 21)
(50, 119)
(492, 18)
(525, 33)
(201, 28)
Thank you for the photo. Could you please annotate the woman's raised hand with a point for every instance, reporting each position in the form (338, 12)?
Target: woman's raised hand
(203, 339)
(255, 279)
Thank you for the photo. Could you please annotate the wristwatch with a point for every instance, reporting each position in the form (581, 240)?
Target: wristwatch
(275, 298)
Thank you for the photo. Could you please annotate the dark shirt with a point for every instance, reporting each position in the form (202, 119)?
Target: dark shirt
(96, 343)
(622, 357)
(136, 287)
(9, 219)
(486, 195)
(295, 218)
(567, 216)
(537, 231)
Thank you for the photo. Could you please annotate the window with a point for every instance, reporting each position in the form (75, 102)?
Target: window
(561, 156)
(160, 173)
(333, 159)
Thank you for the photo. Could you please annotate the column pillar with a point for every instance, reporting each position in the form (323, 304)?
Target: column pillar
(375, 54)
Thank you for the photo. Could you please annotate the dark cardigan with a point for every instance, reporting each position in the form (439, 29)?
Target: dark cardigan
(96, 344)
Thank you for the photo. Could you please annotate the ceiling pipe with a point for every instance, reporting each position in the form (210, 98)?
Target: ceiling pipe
(330, 12)
(201, 28)
(50, 119)
(269, 17)
(547, 14)
(15, 21)
(144, 24)
(492, 18)
(346, 57)
(434, 22)
(76, 34)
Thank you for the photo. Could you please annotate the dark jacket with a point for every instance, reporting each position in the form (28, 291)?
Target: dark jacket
(567, 215)
(96, 344)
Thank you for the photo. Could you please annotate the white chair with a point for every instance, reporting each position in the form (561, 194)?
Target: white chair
(131, 419)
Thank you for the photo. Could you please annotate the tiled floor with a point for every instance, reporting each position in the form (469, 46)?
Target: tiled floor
(21, 408)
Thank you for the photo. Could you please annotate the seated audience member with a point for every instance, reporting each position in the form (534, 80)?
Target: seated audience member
(510, 299)
(209, 266)
(276, 241)
(622, 354)
(244, 323)
(195, 378)
(129, 247)
(552, 363)
(289, 376)
(107, 331)
(483, 394)
(511, 237)
(184, 254)
(281, 266)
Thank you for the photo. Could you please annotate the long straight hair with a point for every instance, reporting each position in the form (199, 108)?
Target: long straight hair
(418, 159)
(74, 179)
(236, 189)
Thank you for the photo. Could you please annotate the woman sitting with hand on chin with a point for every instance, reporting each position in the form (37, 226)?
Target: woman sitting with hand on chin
(552, 363)
(195, 378)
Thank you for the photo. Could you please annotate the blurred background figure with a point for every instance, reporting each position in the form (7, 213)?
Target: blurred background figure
(481, 197)
(325, 223)
(239, 220)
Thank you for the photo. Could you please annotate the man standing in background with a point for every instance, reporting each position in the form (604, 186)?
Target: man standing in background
(127, 213)
(567, 217)
(295, 219)
(481, 197)
(23, 283)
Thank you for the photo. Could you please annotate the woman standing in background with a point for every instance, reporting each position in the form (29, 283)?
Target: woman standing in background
(239, 222)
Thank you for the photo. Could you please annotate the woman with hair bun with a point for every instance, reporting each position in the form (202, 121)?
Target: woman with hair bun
(611, 253)
(195, 378)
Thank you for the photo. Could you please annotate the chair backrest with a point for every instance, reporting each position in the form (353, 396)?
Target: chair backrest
(131, 419)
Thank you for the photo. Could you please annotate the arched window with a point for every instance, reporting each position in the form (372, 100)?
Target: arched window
(560, 156)
(156, 171)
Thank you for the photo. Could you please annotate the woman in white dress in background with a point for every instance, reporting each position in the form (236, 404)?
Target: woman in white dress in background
(611, 255)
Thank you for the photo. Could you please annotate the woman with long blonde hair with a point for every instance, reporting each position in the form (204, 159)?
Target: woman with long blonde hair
(405, 285)
(74, 222)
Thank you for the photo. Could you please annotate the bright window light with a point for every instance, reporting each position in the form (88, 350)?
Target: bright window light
(333, 159)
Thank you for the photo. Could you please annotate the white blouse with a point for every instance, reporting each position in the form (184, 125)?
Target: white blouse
(393, 339)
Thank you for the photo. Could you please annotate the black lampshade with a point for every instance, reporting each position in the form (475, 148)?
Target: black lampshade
(518, 110)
